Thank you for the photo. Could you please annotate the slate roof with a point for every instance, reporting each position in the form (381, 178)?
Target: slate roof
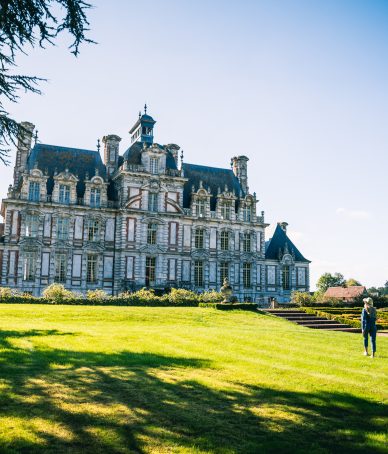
(212, 177)
(133, 155)
(345, 292)
(279, 241)
(54, 158)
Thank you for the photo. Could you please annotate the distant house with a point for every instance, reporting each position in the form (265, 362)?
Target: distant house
(348, 294)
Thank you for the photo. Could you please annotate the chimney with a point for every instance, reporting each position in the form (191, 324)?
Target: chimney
(173, 149)
(23, 148)
(283, 226)
(240, 169)
(111, 152)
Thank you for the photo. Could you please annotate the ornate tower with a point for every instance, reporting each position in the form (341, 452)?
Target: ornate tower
(143, 129)
(23, 148)
(240, 169)
(111, 152)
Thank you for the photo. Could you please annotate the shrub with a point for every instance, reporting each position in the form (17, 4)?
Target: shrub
(231, 306)
(211, 296)
(97, 295)
(179, 295)
(302, 298)
(56, 293)
(5, 292)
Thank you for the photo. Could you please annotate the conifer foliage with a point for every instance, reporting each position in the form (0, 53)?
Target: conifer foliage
(26, 24)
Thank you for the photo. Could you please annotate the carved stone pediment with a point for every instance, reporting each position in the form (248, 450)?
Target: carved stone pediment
(62, 244)
(287, 259)
(30, 244)
(152, 249)
(226, 256)
(93, 246)
(152, 218)
(200, 254)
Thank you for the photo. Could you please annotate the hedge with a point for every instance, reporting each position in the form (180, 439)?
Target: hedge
(355, 323)
(231, 306)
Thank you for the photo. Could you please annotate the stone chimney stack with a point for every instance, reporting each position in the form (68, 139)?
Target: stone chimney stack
(240, 169)
(111, 153)
(173, 148)
(23, 148)
(283, 226)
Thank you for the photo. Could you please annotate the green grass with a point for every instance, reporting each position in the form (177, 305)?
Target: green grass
(121, 379)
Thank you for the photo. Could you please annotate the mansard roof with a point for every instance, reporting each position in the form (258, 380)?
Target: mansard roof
(133, 155)
(278, 243)
(211, 177)
(56, 159)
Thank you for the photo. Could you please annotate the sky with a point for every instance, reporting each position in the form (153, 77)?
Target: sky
(299, 87)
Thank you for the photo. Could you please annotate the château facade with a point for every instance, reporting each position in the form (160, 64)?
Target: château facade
(141, 219)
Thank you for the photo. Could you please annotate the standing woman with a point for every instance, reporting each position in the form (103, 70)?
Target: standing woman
(368, 325)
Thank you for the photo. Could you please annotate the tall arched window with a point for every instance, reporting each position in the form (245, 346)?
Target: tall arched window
(246, 241)
(199, 238)
(152, 229)
(224, 239)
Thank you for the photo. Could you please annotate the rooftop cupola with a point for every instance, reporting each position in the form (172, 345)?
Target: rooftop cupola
(143, 129)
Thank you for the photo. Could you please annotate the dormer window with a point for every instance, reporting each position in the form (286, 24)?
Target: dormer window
(247, 213)
(226, 209)
(95, 197)
(154, 166)
(201, 206)
(34, 191)
(64, 194)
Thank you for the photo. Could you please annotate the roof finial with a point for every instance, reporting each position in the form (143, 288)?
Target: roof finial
(139, 114)
(98, 145)
(36, 137)
(145, 108)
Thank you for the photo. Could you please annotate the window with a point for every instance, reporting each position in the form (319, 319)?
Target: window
(60, 267)
(247, 268)
(152, 201)
(199, 238)
(95, 197)
(224, 271)
(198, 273)
(150, 270)
(224, 237)
(152, 229)
(154, 165)
(29, 263)
(64, 194)
(62, 228)
(246, 240)
(226, 210)
(247, 213)
(34, 191)
(286, 277)
(91, 269)
(32, 225)
(93, 230)
(201, 207)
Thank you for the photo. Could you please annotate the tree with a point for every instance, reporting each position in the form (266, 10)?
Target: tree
(352, 282)
(32, 23)
(330, 280)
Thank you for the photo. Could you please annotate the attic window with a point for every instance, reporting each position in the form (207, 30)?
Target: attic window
(154, 165)
(226, 210)
(201, 207)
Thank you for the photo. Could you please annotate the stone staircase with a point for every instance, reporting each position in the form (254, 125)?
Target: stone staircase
(311, 321)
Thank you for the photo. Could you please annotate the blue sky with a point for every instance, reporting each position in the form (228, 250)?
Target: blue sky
(299, 87)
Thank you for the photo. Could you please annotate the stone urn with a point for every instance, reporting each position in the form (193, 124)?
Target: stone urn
(226, 291)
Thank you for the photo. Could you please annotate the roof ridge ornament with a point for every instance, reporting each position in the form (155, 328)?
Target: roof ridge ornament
(98, 145)
(145, 109)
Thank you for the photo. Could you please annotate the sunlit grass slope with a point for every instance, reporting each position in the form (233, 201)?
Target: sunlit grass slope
(119, 379)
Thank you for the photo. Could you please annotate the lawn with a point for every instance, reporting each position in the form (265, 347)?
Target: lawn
(124, 379)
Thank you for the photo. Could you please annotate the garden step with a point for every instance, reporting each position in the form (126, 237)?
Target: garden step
(321, 321)
(324, 326)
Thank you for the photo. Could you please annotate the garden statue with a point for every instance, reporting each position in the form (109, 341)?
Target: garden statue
(226, 291)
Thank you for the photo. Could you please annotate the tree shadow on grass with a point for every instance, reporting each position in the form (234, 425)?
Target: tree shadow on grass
(72, 401)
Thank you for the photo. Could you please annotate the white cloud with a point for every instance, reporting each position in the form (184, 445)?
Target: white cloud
(353, 214)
